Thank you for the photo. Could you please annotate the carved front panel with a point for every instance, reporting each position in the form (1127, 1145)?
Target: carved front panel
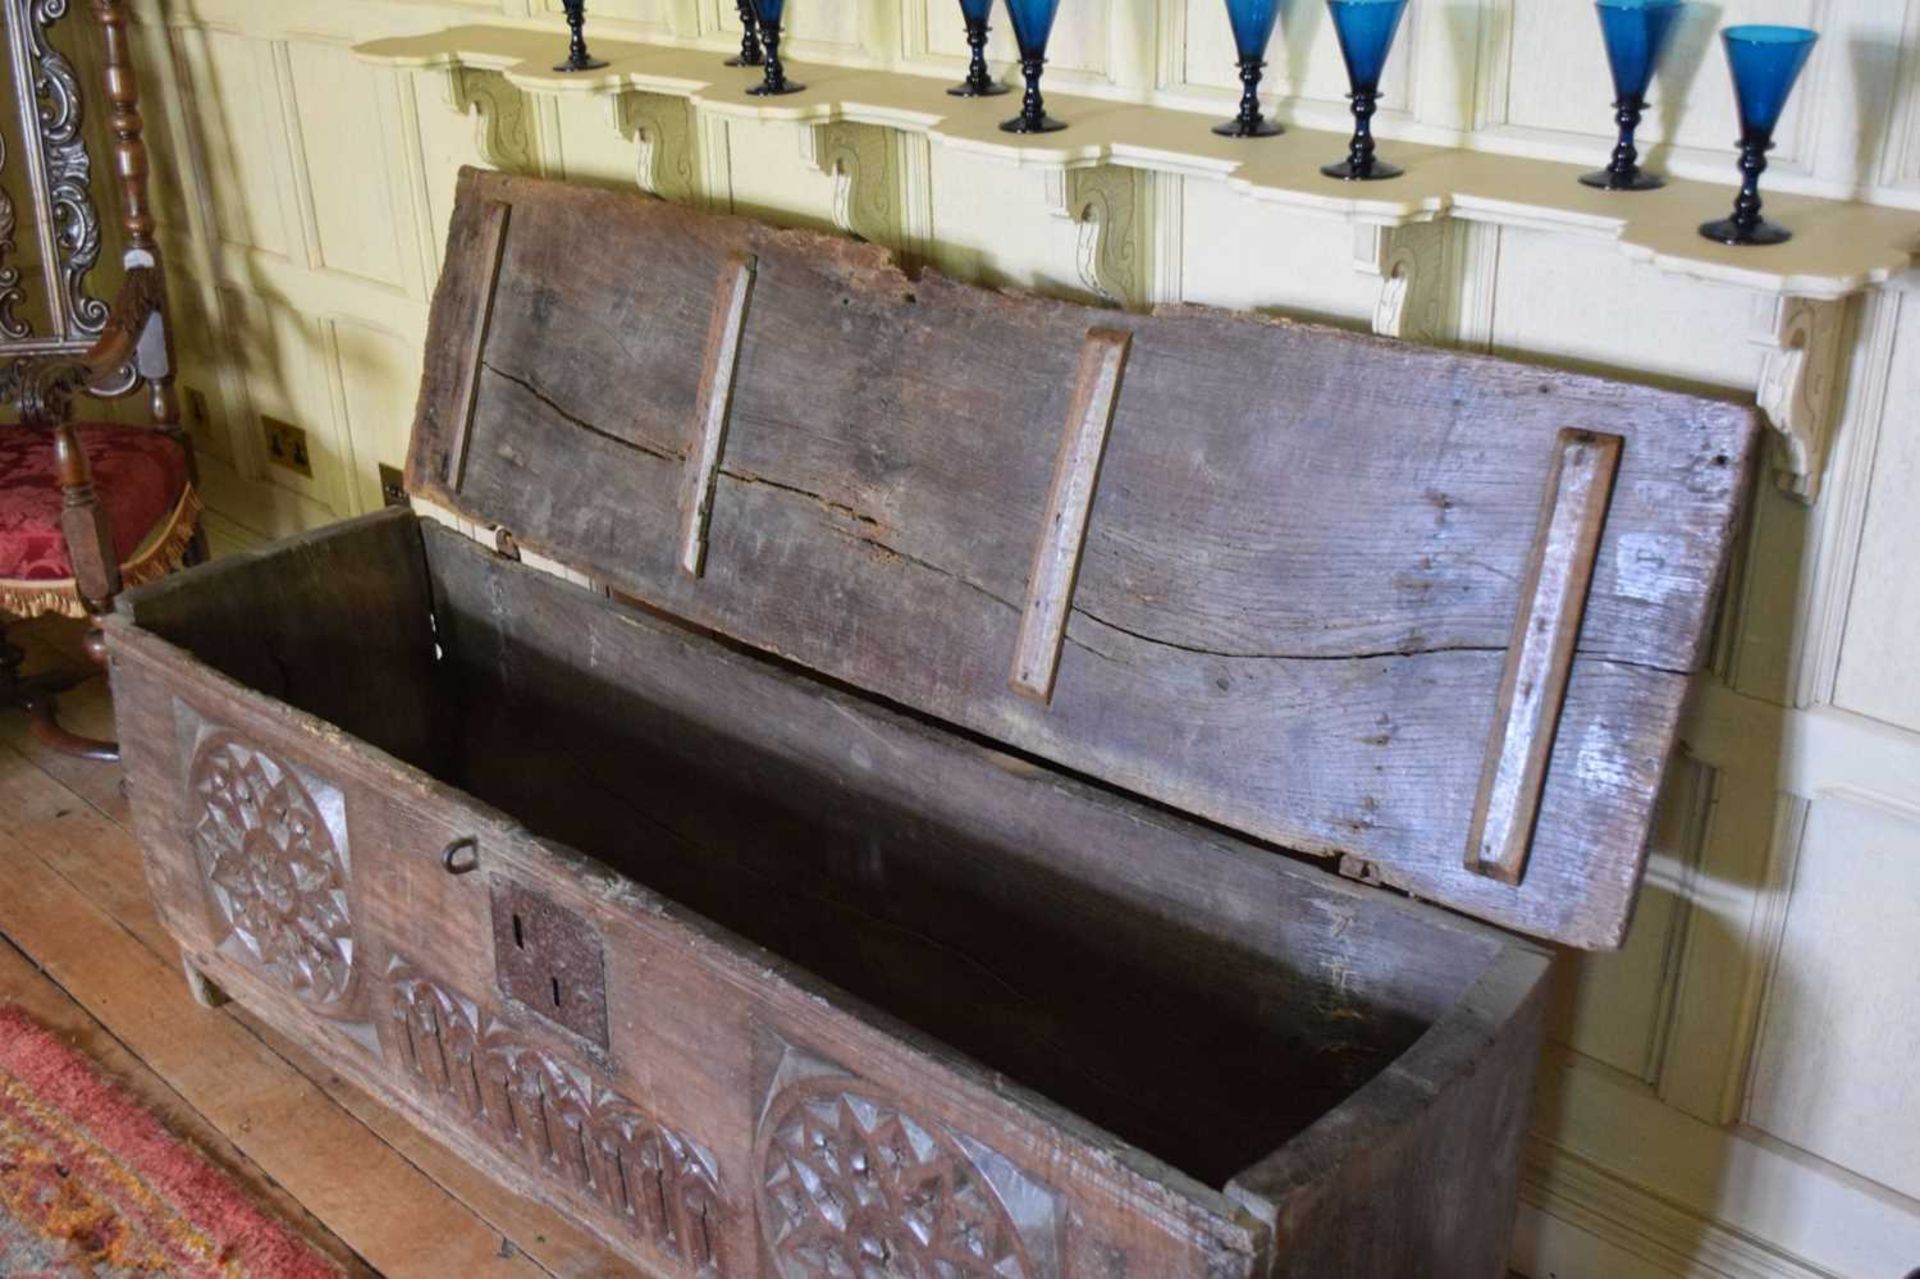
(549, 1114)
(855, 1181)
(271, 845)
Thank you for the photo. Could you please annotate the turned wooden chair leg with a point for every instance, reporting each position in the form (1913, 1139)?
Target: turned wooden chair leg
(36, 695)
(97, 572)
(47, 730)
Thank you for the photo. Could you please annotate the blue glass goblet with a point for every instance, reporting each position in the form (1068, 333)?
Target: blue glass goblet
(1636, 34)
(979, 82)
(1032, 25)
(1765, 61)
(1366, 29)
(1252, 31)
(773, 80)
(578, 59)
(750, 54)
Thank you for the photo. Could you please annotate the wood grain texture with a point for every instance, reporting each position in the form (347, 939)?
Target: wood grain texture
(365, 585)
(1540, 658)
(716, 407)
(1418, 1173)
(492, 242)
(1063, 529)
(1306, 550)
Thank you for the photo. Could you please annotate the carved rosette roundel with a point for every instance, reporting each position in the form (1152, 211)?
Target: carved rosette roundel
(274, 871)
(855, 1187)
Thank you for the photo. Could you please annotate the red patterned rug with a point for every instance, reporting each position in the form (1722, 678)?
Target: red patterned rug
(92, 1187)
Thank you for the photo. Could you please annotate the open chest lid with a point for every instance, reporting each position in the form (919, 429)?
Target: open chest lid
(1426, 613)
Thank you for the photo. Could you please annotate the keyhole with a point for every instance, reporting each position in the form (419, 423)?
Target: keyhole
(556, 991)
(519, 934)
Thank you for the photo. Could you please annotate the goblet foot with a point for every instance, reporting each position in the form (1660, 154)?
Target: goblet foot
(770, 89)
(1021, 124)
(1727, 231)
(1638, 180)
(991, 89)
(1372, 171)
(584, 64)
(1238, 128)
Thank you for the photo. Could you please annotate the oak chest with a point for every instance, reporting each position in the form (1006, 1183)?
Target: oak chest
(913, 855)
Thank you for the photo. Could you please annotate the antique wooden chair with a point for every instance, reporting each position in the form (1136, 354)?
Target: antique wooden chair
(88, 507)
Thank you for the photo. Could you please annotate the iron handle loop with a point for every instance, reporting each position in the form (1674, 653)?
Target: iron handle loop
(451, 856)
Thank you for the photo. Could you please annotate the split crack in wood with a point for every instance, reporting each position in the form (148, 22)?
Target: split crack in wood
(818, 499)
(1285, 657)
(660, 451)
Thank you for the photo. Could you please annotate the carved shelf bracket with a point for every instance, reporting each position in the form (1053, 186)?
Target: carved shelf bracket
(1417, 268)
(1107, 203)
(1799, 384)
(662, 131)
(505, 135)
(881, 182)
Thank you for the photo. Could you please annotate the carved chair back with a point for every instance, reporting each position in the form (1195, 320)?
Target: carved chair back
(52, 237)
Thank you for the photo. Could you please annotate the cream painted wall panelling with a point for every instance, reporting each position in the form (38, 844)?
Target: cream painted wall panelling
(1844, 968)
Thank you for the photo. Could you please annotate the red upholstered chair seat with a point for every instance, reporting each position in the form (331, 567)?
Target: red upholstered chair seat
(139, 475)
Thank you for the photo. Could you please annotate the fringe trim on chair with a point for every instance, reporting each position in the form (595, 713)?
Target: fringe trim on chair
(158, 556)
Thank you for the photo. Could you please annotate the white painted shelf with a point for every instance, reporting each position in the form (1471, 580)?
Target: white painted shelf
(1839, 248)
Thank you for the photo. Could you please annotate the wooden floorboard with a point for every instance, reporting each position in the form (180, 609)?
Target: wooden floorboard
(83, 951)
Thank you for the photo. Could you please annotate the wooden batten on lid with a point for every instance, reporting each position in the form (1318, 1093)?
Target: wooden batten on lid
(1431, 615)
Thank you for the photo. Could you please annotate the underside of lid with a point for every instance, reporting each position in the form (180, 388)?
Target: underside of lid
(1429, 614)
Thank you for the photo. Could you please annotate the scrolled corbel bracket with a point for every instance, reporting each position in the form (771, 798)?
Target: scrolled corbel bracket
(1798, 388)
(1416, 266)
(1107, 203)
(662, 132)
(506, 136)
(882, 182)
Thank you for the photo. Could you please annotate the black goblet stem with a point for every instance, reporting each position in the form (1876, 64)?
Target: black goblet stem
(1753, 162)
(1250, 123)
(1746, 226)
(1033, 108)
(578, 59)
(1249, 117)
(1360, 151)
(750, 54)
(979, 81)
(1033, 117)
(1624, 168)
(774, 78)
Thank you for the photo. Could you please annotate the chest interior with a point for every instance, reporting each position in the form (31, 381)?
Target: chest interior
(1199, 998)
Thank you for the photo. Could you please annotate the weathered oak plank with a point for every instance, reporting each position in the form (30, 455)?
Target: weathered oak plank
(1300, 570)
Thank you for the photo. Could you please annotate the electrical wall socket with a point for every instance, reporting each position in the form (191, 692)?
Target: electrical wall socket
(198, 416)
(287, 445)
(393, 486)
